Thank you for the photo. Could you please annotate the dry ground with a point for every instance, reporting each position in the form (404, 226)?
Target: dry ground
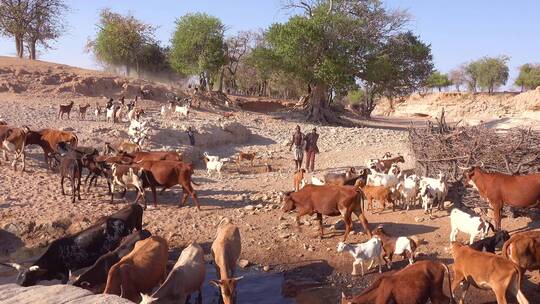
(31, 201)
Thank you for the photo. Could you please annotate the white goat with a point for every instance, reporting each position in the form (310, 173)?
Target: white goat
(316, 181)
(408, 189)
(183, 110)
(382, 179)
(368, 251)
(210, 157)
(214, 166)
(438, 186)
(464, 222)
(111, 112)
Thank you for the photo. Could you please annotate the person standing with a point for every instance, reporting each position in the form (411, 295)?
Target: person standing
(311, 149)
(191, 136)
(298, 154)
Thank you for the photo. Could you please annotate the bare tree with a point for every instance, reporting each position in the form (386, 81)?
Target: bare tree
(457, 77)
(236, 47)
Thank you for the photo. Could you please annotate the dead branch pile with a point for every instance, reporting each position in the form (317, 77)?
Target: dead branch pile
(441, 147)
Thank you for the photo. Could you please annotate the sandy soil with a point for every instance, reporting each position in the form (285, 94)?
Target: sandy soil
(33, 211)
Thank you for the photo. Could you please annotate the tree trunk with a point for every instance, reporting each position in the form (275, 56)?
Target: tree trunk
(19, 45)
(32, 49)
(128, 70)
(220, 89)
(317, 108)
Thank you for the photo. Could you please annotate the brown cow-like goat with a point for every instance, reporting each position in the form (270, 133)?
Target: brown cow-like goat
(330, 200)
(386, 164)
(139, 271)
(152, 156)
(48, 140)
(487, 271)
(168, 174)
(524, 250)
(226, 250)
(13, 140)
(499, 189)
(415, 283)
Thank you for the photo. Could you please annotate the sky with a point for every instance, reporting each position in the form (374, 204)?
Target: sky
(458, 31)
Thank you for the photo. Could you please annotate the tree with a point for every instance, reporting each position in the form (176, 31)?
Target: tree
(33, 21)
(198, 47)
(438, 80)
(457, 77)
(121, 40)
(398, 68)
(331, 46)
(236, 48)
(47, 23)
(529, 77)
(493, 73)
(487, 73)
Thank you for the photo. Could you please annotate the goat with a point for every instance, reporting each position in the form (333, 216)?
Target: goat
(367, 251)
(395, 245)
(464, 222)
(82, 111)
(490, 243)
(65, 109)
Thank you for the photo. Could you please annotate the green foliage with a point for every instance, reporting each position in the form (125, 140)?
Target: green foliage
(198, 46)
(121, 40)
(438, 80)
(487, 73)
(529, 77)
(355, 96)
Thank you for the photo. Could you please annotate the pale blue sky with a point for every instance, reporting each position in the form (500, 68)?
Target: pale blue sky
(458, 30)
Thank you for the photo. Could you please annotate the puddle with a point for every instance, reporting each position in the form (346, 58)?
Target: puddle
(257, 286)
(265, 288)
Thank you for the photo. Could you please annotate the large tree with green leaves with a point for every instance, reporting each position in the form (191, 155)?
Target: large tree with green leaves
(198, 47)
(336, 44)
(122, 40)
(438, 80)
(529, 77)
(487, 73)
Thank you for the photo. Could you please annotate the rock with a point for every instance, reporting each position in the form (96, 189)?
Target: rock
(62, 223)
(418, 219)
(12, 293)
(249, 207)
(68, 129)
(243, 263)
(284, 235)
(259, 206)
(266, 268)
(283, 226)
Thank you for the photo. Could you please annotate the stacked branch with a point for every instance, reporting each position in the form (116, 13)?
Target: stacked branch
(441, 147)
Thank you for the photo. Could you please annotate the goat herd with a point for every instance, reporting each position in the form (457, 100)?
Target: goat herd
(342, 194)
(126, 260)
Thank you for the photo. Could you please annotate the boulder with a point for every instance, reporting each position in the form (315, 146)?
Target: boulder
(13, 293)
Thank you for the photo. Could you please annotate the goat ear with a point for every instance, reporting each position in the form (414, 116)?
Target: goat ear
(238, 279)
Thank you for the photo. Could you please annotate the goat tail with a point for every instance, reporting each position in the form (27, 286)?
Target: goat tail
(505, 251)
(449, 282)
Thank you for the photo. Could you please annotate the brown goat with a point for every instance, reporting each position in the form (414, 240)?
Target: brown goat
(65, 109)
(246, 156)
(415, 283)
(379, 193)
(298, 178)
(403, 246)
(524, 250)
(139, 271)
(82, 111)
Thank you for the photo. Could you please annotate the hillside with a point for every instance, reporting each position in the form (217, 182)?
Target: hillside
(39, 78)
(499, 109)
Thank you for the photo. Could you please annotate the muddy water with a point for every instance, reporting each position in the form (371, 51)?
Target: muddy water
(265, 288)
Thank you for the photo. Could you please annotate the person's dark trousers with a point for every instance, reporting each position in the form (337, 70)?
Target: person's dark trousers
(310, 161)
